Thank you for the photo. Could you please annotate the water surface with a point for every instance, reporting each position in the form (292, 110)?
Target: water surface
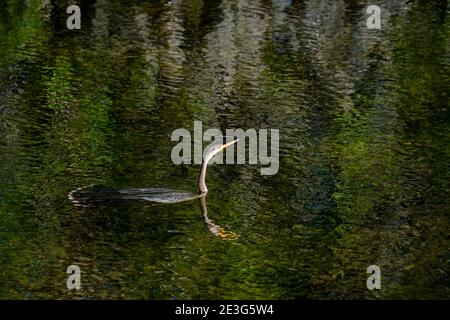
(364, 148)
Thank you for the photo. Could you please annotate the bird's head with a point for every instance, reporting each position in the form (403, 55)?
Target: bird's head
(211, 151)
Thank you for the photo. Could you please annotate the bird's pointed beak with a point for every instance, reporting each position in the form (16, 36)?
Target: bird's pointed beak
(226, 145)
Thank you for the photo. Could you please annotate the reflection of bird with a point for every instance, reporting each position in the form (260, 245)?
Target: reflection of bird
(212, 227)
(91, 195)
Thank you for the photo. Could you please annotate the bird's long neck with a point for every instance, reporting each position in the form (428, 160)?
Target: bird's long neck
(201, 179)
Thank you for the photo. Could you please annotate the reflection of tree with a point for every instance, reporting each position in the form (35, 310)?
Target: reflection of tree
(172, 57)
(383, 173)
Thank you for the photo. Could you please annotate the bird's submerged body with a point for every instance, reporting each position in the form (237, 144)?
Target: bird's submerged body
(169, 196)
(95, 195)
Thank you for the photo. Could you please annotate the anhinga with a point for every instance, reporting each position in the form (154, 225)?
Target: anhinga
(90, 196)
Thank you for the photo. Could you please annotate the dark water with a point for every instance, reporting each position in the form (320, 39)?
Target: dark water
(364, 148)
